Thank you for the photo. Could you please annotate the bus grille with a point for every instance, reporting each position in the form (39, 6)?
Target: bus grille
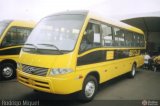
(34, 70)
(43, 85)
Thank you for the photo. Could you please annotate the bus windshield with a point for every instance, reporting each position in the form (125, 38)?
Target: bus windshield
(57, 32)
(3, 25)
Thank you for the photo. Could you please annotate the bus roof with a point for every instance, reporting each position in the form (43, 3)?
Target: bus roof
(83, 12)
(115, 23)
(29, 24)
(102, 19)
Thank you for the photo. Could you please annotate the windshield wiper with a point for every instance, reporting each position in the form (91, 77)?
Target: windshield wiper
(51, 45)
(29, 44)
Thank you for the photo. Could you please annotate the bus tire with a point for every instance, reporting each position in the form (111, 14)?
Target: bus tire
(90, 86)
(132, 73)
(7, 71)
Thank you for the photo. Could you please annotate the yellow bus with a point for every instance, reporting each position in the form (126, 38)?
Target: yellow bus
(75, 51)
(12, 36)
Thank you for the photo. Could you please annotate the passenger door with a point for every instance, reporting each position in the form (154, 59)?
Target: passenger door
(89, 54)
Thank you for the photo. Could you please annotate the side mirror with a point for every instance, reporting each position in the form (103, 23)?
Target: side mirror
(90, 36)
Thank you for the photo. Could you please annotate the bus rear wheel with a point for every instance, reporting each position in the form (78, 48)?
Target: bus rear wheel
(89, 90)
(7, 71)
(132, 73)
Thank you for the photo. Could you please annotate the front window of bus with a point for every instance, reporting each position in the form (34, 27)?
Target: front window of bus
(3, 25)
(55, 33)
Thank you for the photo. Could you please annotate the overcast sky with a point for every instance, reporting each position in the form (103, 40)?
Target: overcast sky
(37, 9)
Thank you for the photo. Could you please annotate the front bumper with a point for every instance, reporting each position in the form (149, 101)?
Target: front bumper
(58, 85)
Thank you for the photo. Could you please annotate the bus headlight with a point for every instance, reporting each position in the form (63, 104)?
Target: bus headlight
(56, 71)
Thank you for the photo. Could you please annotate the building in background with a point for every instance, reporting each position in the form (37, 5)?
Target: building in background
(150, 24)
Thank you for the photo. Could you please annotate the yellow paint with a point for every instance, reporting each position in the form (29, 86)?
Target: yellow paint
(134, 52)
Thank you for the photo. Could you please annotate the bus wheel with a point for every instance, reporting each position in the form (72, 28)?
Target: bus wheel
(132, 73)
(7, 71)
(89, 90)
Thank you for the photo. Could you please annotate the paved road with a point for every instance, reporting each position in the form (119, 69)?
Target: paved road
(145, 86)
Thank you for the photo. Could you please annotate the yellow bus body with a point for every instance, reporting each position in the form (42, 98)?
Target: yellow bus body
(10, 54)
(73, 82)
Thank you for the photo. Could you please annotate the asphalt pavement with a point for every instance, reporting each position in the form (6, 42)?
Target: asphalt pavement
(120, 91)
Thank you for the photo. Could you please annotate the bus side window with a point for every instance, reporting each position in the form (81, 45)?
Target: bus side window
(22, 35)
(8, 39)
(107, 35)
(91, 38)
(119, 37)
(136, 40)
(128, 38)
(142, 43)
(15, 36)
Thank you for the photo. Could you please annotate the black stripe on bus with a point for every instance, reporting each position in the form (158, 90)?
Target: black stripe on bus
(120, 54)
(100, 56)
(10, 51)
(93, 57)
